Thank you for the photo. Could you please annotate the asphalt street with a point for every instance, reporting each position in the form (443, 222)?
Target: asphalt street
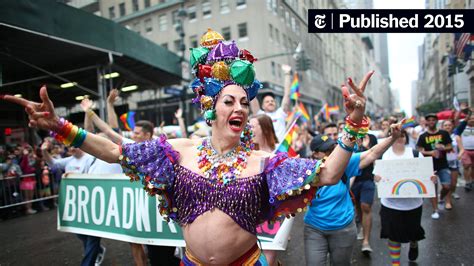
(34, 240)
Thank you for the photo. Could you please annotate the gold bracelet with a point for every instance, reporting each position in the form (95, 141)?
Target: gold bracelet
(90, 113)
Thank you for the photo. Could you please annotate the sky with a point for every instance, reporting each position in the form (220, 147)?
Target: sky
(403, 52)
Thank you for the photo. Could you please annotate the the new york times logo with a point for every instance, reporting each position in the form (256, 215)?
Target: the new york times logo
(390, 20)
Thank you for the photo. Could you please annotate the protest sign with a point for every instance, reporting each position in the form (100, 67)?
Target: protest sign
(405, 178)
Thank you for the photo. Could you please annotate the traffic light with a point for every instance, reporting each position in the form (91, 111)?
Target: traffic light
(461, 66)
(451, 69)
(303, 63)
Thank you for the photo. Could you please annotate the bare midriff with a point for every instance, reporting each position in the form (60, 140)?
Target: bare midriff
(215, 238)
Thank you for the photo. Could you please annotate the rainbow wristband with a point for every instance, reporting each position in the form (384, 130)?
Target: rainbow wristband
(79, 139)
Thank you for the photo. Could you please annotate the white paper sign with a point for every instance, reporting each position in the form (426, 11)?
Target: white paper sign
(405, 178)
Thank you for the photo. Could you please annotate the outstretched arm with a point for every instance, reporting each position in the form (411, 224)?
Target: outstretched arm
(105, 128)
(374, 153)
(182, 127)
(354, 104)
(87, 106)
(112, 119)
(285, 102)
(254, 106)
(42, 115)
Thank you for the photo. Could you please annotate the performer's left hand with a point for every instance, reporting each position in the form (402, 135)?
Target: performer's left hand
(355, 103)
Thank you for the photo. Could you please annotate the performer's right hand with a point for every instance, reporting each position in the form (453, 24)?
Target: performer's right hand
(41, 115)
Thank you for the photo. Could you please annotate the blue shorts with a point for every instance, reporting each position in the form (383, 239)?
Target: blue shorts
(444, 176)
(364, 191)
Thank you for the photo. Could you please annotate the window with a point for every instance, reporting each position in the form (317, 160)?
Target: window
(293, 23)
(206, 9)
(177, 45)
(136, 27)
(277, 35)
(226, 33)
(165, 45)
(241, 4)
(148, 25)
(174, 17)
(287, 18)
(193, 41)
(271, 31)
(192, 12)
(224, 6)
(279, 70)
(135, 5)
(162, 22)
(242, 30)
(122, 9)
(273, 68)
(283, 40)
(147, 3)
(112, 12)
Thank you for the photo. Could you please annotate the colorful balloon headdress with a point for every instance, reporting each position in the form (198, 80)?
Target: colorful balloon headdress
(216, 64)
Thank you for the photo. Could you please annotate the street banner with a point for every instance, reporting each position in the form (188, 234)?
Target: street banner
(405, 178)
(110, 206)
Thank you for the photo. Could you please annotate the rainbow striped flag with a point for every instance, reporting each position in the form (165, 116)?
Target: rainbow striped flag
(128, 120)
(285, 145)
(409, 122)
(295, 88)
(304, 114)
(333, 110)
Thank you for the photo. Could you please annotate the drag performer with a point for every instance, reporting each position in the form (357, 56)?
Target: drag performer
(217, 188)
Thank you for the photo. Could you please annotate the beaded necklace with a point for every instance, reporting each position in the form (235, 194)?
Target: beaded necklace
(222, 168)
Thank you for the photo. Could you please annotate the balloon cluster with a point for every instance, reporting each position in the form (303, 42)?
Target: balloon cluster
(216, 64)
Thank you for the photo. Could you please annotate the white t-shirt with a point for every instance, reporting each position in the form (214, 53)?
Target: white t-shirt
(467, 137)
(402, 204)
(102, 167)
(75, 165)
(279, 124)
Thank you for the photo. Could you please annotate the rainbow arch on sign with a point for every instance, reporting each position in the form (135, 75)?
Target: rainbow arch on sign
(418, 184)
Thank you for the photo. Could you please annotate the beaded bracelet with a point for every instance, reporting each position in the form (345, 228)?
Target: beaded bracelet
(357, 130)
(69, 134)
(345, 147)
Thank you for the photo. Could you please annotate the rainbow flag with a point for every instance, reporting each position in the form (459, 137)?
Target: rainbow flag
(333, 110)
(295, 88)
(304, 114)
(409, 122)
(285, 145)
(128, 120)
(324, 110)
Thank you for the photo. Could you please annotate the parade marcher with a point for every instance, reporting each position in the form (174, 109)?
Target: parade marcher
(78, 163)
(218, 189)
(452, 157)
(265, 140)
(329, 221)
(269, 105)
(363, 189)
(143, 131)
(436, 143)
(465, 143)
(401, 217)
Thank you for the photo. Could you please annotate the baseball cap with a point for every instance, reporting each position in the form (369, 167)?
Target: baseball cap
(321, 143)
(431, 115)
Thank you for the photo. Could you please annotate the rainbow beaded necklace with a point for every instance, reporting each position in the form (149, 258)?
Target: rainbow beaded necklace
(222, 168)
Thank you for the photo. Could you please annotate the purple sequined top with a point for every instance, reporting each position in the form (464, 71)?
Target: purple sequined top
(283, 188)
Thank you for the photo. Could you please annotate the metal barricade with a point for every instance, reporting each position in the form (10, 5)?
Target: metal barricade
(13, 191)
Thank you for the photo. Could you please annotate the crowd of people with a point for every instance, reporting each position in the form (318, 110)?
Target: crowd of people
(336, 160)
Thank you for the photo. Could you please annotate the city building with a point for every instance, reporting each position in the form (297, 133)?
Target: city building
(272, 30)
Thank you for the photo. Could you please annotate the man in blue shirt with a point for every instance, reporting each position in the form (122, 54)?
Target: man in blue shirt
(329, 221)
